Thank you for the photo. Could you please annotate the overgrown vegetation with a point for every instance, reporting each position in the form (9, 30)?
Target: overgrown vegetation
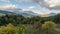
(18, 24)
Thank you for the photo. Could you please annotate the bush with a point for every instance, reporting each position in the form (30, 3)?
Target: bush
(20, 29)
(10, 29)
(48, 25)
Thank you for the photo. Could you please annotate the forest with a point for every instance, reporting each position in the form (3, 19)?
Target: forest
(18, 24)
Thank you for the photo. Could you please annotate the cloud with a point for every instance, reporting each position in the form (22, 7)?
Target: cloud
(50, 4)
(7, 1)
(4, 7)
(24, 1)
(37, 10)
(32, 7)
(55, 11)
(28, 0)
(25, 9)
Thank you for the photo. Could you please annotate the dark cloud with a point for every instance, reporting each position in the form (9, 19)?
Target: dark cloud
(50, 4)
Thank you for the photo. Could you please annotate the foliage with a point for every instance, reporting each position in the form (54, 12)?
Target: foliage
(57, 18)
(19, 19)
(10, 29)
(12, 24)
(48, 25)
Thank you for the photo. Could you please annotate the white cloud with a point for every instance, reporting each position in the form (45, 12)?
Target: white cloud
(28, 0)
(32, 8)
(36, 10)
(7, 7)
(5, 1)
(50, 4)
(25, 9)
(56, 11)
(25, 0)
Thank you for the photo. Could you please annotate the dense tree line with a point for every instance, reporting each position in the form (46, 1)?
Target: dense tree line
(19, 19)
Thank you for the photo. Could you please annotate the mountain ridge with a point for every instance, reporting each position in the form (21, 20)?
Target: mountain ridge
(24, 13)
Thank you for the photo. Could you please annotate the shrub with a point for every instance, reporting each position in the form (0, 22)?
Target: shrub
(49, 25)
(20, 29)
(10, 29)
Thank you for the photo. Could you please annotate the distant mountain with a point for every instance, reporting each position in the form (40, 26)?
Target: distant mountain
(18, 11)
(24, 13)
(47, 15)
(52, 14)
(27, 13)
(6, 12)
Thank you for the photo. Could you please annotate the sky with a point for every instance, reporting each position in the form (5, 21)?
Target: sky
(37, 6)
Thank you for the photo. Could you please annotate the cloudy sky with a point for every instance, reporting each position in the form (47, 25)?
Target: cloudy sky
(37, 6)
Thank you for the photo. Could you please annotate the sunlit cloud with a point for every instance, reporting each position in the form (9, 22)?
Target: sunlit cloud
(7, 7)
